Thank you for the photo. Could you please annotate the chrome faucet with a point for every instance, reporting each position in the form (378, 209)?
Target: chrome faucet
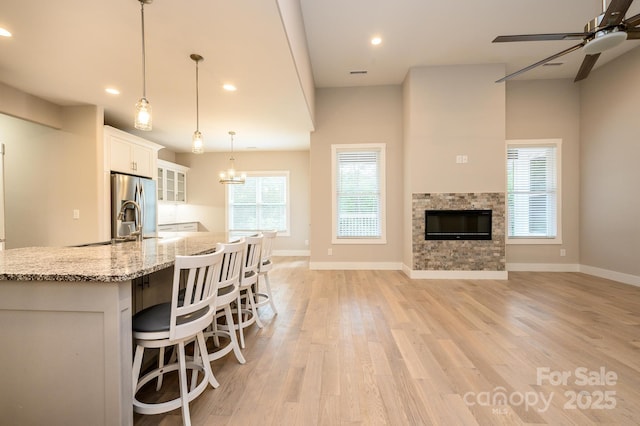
(138, 232)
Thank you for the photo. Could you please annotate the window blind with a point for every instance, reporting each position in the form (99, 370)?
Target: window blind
(358, 194)
(261, 203)
(532, 193)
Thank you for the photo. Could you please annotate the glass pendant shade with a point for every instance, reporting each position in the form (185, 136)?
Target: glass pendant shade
(197, 146)
(143, 115)
(143, 107)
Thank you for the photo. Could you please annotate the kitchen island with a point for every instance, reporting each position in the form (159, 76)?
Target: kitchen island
(65, 327)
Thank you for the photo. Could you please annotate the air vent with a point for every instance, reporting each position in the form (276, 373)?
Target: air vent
(358, 72)
(553, 64)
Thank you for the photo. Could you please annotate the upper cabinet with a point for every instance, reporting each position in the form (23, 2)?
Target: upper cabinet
(130, 154)
(172, 182)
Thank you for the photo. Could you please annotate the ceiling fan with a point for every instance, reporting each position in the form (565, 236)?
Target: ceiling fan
(601, 33)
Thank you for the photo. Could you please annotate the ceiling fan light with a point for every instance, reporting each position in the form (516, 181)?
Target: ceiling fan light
(604, 42)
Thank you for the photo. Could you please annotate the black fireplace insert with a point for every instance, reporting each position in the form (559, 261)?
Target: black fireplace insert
(457, 224)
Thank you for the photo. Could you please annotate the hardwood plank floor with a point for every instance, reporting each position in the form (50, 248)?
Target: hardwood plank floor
(376, 348)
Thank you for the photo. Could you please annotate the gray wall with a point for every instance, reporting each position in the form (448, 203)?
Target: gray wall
(609, 171)
(550, 109)
(350, 116)
(50, 173)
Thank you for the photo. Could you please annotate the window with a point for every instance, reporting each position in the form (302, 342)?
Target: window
(533, 192)
(261, 203)
(358, 205)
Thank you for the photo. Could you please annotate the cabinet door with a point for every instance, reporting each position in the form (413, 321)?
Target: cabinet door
(171, 184)
(121, 156)
(160, 184)
(181, 188)
(188, 227)
(142, 158)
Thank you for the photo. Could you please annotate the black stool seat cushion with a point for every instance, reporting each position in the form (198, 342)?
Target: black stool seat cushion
(156, 318)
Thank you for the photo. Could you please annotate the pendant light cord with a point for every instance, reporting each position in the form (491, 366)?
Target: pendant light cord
(197, 100)
(144, 73)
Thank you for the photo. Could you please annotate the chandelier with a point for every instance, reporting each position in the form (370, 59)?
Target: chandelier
(230, 175)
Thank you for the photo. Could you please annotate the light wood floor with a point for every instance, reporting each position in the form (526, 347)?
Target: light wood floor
(374, 347)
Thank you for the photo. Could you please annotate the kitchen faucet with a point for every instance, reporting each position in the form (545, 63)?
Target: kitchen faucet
(138, 232)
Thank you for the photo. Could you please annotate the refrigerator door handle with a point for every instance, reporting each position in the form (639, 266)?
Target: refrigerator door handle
(136, 198)
(143, 206)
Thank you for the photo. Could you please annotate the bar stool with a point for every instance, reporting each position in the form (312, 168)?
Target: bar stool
(263, 271)
(228, 292)
(177, 323)
(246, 308)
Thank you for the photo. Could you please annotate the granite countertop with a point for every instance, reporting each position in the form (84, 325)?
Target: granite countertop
(104, 263)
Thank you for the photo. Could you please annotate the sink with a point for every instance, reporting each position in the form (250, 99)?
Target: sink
(113, 241)
(101, 243)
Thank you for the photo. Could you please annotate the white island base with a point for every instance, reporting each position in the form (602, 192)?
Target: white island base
(66, 353)
(65, 326)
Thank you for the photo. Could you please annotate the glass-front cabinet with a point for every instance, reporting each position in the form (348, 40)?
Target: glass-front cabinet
(172, 182)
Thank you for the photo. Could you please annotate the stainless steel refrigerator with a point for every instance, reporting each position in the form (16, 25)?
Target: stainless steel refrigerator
(124, 215)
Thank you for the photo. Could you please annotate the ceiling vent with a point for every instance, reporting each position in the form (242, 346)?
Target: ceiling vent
(358, 72)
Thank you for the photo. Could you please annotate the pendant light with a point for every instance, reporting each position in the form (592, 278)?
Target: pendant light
(143, 107)
(229, 177)
(197, 146)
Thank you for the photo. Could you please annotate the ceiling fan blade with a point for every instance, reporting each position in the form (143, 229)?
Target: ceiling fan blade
(541, 37)
(586, 67)
(542, 62)
(615, 13)
(633, 34)
(633, 21)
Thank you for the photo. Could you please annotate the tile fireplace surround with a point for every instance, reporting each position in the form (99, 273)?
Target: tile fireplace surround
(454, 255)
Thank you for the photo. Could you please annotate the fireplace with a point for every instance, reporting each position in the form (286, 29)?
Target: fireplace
(450, 256)
(457, 224)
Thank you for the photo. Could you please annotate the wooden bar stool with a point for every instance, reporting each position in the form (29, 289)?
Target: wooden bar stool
(263, 271)
(246, 307)
(176, 323)
(228, 291)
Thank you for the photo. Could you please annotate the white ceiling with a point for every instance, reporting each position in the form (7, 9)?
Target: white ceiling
(69, 51)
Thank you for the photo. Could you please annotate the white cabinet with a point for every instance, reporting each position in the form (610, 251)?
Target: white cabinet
(179, 227)
(130, 154)
(188, 227)
(172, 182)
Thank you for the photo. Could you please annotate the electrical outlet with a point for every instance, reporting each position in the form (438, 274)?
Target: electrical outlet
(563, 252)
(76, 214)
(306, 243)
(330, 252)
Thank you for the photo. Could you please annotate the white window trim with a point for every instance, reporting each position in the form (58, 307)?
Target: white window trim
(542, 240)
(381, 147)
(285, 173)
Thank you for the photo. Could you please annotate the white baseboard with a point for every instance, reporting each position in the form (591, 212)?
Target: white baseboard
(611, 275)
(543, 267)
(338, 266)
(458, 275)
(471, 275)
(303, 253)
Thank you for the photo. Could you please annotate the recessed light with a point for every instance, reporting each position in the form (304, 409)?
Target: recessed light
(376, 41)
(229, 87)
(112, 91)
(4, 33)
